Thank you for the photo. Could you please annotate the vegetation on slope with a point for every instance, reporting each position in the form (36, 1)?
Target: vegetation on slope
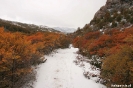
(111, 51)
(23, 27)
(113, 19)
(108, 41)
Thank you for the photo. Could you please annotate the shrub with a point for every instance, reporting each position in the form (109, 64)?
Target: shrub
(117, 68)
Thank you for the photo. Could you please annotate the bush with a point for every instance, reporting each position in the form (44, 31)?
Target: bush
(117, 68)
(64, 42)
(19, 51)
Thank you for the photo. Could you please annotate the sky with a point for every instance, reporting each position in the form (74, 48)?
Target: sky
(52, 13)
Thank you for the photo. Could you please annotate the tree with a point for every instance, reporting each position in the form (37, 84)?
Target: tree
(119, 17)
(114, 24)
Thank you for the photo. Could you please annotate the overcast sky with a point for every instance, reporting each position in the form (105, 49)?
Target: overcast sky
(52, 13)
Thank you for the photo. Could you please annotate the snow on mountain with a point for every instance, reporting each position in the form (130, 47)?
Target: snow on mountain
(65, 29)
(24, 27)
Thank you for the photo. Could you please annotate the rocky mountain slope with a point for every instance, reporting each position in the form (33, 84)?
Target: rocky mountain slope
(23, 27)
(114, 14)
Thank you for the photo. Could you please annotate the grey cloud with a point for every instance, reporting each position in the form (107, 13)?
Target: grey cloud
(63, 13)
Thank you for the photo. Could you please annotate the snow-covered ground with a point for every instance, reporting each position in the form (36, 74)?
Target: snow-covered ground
(59, 71)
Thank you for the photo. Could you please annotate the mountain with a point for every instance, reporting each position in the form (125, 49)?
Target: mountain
(65, 29)
(23, 27)
(114, 14)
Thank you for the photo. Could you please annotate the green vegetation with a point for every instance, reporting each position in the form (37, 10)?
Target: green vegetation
(113, 17)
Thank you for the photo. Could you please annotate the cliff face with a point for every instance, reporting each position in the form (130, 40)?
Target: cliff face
(115, 13)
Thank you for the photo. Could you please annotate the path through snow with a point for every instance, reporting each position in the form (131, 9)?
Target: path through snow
(59, 71)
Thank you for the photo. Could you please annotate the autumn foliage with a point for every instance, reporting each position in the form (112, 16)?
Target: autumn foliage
(115, 48)
(117, 68)
(19, 51)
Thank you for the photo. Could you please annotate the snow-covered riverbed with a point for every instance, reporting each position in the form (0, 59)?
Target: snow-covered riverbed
(59, 71)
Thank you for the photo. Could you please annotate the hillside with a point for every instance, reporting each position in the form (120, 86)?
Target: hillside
(108, 42)
(114, 14)
(23, 27)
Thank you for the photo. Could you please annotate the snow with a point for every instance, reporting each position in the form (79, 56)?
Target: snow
(112, 15)
(118, 12)
(92, 26)
(59, 71)
(15, 23)
(123, 20)
(110, 24)
(101, 30)
(65, 29)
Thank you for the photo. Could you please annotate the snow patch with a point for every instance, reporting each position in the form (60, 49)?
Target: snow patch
(118, 12)
(60, 71)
